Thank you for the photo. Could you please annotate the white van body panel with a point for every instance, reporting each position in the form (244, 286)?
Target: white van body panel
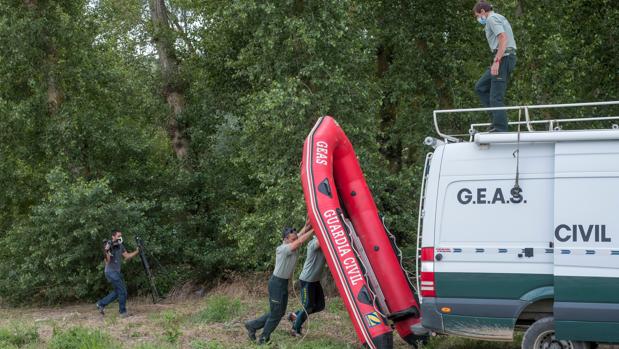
(497, 253)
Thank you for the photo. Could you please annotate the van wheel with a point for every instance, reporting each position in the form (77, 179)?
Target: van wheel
(541, 335)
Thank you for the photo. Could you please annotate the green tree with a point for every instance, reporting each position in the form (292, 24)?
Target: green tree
(183, 120)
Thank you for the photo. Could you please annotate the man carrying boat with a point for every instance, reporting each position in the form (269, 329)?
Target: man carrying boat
(312, 295)
(285, 260)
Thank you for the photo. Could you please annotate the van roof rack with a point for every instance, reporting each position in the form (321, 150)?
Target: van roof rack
(550, 126)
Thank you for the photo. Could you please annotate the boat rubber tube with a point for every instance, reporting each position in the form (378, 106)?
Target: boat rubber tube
(331, 175)
(326, 143)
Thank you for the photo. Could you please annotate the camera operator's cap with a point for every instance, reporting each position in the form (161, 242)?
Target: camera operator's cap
(287, 231)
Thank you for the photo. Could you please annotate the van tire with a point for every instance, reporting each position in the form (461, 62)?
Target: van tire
(543, 331)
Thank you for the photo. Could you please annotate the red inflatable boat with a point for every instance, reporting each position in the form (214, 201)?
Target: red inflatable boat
(359, 253)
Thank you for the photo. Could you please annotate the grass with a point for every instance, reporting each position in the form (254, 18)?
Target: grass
(220, 309)
(170, 321)
(448, 342)
(155, 345)
(83, 338)
(215, 322)
(201, 344)
(315, 344)
(336, 306)
(18, 335)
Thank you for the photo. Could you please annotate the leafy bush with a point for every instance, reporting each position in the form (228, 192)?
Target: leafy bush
(254, 80)
(83, 338)
(57, 253)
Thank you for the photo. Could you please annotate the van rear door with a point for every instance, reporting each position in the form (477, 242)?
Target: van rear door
(586, 237)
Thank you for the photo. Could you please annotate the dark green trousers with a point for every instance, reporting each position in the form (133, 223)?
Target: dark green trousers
(313, 299)
(491, 91)
(278, 301)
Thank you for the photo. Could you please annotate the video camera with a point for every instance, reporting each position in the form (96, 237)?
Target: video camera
(108, 245)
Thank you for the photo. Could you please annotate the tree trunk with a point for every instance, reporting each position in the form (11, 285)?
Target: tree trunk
(55, 95)
(445, 97)
(520, 8)
(173, 86)
(388, 113)
(31, 4)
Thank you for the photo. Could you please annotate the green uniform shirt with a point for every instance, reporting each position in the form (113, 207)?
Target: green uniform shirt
(314, 263)
(285, 260)
(495, 25)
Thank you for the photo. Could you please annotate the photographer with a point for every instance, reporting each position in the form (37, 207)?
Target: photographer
(113, 250)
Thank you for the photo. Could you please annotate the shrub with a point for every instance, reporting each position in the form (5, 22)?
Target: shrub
(56, 255)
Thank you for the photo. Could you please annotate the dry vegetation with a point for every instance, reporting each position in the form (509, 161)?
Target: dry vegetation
(214, 321)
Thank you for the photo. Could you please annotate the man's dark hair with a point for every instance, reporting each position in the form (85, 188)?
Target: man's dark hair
(114, 232)
(287, 231)
(482, 5)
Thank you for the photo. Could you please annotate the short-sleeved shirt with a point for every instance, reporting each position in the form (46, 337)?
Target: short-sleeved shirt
(285, 261)
(115, 259)
(314, 263)
(495, 25)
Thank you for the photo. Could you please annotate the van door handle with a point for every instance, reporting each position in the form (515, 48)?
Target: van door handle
(526, 252)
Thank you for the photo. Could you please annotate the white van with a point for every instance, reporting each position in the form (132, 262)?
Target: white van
(520, 230)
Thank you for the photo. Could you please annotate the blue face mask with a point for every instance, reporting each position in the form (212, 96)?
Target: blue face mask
(481, 20)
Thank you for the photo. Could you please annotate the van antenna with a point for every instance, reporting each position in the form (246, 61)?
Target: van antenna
(516, 189)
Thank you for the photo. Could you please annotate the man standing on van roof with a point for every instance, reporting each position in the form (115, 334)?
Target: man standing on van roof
(492, 85)
(285, 261)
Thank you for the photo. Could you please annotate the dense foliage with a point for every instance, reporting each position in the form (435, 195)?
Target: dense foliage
(185, 127)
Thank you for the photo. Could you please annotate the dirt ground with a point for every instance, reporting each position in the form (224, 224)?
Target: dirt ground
(188, 322)
(176, 322)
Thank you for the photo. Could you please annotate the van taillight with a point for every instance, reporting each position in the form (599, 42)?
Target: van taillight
(427, 272)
